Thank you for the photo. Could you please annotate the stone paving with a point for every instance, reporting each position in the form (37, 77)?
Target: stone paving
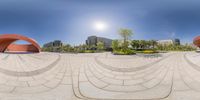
(100, 76)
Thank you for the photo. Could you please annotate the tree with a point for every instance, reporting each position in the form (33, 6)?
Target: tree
(67, 48)
(125, 34)
(154, 43)
(142, 44)
(92, 47)
(84, 47)
(115, 45)
(135, 44)
(100, 46)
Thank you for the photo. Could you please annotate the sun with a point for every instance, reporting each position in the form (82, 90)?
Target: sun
(100, 25)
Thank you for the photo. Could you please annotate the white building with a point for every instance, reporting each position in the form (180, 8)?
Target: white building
(169, 42)
(165, 42)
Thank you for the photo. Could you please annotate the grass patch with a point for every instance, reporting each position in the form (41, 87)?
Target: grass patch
(147, 51)
(86, 51)
(124, 52)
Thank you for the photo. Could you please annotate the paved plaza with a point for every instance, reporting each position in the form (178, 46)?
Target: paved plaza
(100, 76)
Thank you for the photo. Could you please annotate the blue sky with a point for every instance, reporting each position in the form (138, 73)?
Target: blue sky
(72, 20)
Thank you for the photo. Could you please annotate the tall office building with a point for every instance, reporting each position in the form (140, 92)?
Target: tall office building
(93, 40)
(54, 46)
(56, 43)
(176, 41)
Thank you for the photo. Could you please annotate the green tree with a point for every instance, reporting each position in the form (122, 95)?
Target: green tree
(92, 47)
(142, 44)
(115, 45)
(135, 44)
(154, 43)
(84, 47)
(67, 48)
(100, 46)
(125, 34)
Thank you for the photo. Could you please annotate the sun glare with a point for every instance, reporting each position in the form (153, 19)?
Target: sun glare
(100, 26)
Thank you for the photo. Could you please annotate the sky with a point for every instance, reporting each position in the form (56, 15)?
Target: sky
(72, 21)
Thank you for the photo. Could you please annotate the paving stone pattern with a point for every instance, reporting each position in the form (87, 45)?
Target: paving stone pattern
(100, 76)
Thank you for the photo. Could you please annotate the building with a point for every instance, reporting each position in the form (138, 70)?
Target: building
(54, 45)
(93, 40)
(7, 44)
(169, 42)
(57, 43)
(176, 41)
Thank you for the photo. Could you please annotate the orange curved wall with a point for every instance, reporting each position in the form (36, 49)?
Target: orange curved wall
(6, 41)
(196, 41)
(22, 48)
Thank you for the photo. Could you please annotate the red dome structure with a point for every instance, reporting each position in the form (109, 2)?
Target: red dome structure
(7, 40)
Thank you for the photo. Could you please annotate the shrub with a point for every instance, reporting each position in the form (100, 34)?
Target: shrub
(124, 52)
(115, 45)
(149, 51)
(89, 51)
